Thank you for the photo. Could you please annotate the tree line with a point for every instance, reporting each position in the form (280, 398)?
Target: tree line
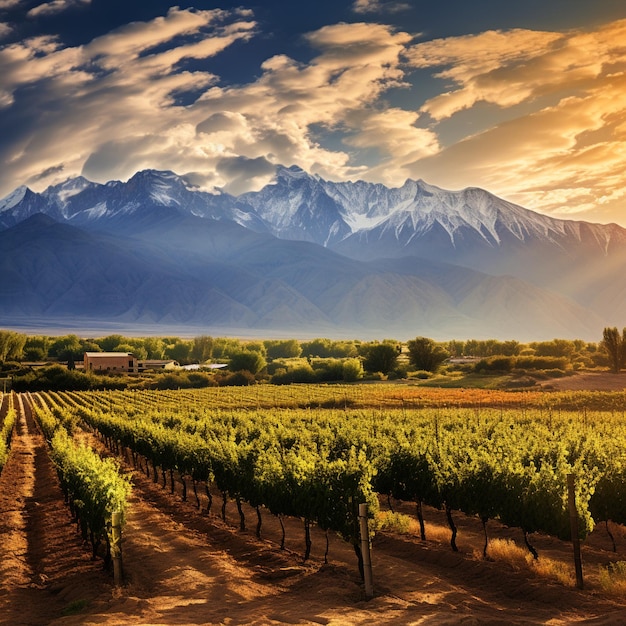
(285, 361)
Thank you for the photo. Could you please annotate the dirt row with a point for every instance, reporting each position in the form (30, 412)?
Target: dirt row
(183, 566)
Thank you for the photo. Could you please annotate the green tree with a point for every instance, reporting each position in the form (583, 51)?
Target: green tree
(247, 360)
(36, 348)
(282, 348)
(381, 357)
(11, 345)
(555, 347)
(65, 346)
(223, 347)
(615, 346)
(202, 348)
(154, 347)
(178, 351)
(326, 348)
(352, 370)
(109, 342)
(90, 346)
(425, 354)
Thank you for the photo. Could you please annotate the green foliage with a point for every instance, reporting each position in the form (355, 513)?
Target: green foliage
(316, 451)
(36, 348)
(614, 345)
(59, 378)
(202, 348)
(109, 342)
(181, 380)
(179, 351)
(282, 348)
(382, 357)
(11, 345)
(6, 432)
(241, 378)
(94, 486)
(556, 348)
(326, 348)
(299, 374)
(351, 370)
(489, 347)
(250, 361)
(509, 363)
(225, 347)
(425, 354)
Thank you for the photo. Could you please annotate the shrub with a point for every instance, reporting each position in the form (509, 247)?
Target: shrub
(422, 374)
(351, 370)
(327, 370)
(496, 364)
(241, 378)
(299, 374)
(542, 363)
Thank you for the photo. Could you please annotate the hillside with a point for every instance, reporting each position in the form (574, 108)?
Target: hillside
(307, 255)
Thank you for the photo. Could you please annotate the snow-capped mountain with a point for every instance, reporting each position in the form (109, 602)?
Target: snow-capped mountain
(299, 206)
(362, 221)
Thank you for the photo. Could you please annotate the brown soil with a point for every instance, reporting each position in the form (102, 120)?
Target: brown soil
(588, 381)
(184, 566)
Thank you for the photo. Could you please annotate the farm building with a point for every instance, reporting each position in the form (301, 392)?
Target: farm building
(110, 361)
(157, 364)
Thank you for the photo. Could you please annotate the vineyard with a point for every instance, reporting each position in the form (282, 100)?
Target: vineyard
(272, 477)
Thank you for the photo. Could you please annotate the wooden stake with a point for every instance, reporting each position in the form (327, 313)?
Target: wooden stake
(365, 551)
(116, 547)
(573, 517)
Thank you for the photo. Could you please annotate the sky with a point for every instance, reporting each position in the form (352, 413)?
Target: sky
(524, 99)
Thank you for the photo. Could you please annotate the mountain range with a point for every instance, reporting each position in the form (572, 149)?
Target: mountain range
(305, 256)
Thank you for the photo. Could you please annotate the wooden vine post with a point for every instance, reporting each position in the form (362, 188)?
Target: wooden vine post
(573, 517)
(365, 551)
(116, 546)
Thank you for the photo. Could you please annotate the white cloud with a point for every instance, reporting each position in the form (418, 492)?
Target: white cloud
(5, 29)
(379, 6)
(57, 6)
(116, 105)
(110, 106)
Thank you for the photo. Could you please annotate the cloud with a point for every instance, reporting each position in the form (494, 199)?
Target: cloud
(537, 117)
(242, 172)
(565, 159)
(9, 4)
(510, 67)
(5, 29)
(108, 107)
(57, 6)
(562, 149)
(379, 6)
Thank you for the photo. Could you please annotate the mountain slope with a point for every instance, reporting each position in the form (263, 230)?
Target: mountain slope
(246, 280)
(305, 251)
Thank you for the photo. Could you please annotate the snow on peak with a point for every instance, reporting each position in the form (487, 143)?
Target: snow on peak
(14, 198)
(160, 185)
(67, 189)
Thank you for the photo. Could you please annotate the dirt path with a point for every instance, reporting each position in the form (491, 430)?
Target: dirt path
(42, 559)
(185, 567)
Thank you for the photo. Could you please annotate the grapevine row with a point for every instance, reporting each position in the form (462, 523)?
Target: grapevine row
(6, 431)
(504, 463)
(93, 487)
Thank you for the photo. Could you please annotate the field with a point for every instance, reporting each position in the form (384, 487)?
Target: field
(183, 566)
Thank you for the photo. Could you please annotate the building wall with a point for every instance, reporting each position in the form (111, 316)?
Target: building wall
(102, 362)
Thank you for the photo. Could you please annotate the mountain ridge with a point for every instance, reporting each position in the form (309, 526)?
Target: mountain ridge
(304, 251)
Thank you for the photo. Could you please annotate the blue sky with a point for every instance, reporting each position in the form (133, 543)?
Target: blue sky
(527, 100)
